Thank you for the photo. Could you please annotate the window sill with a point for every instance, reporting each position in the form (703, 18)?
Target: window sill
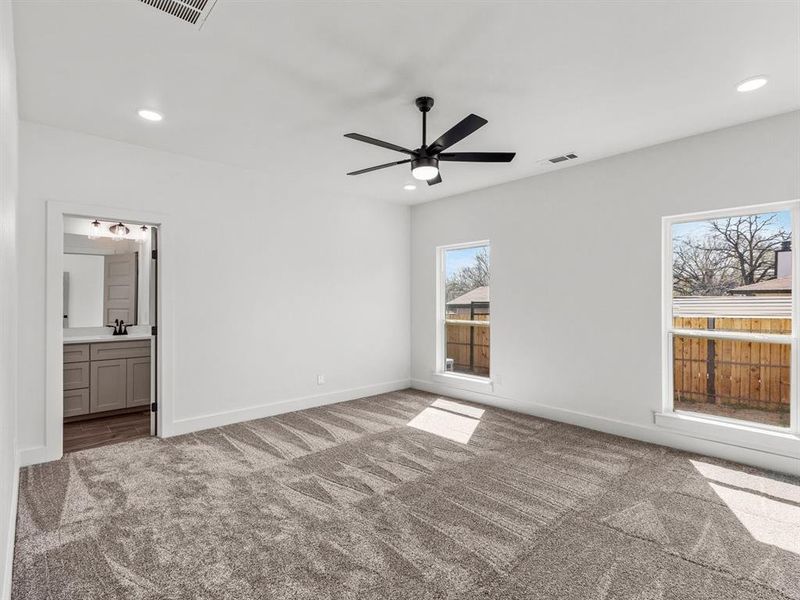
(784, 443)
(465, 382)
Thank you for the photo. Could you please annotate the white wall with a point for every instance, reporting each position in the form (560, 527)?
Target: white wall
(576, 267)
(8, 297)
(86, 275)
(272, 286)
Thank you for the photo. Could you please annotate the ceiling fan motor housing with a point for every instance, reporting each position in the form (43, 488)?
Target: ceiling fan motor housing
(424, 103)
(425, 161)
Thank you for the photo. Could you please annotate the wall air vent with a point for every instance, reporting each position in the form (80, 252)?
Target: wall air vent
(562, 158)
(192, 11)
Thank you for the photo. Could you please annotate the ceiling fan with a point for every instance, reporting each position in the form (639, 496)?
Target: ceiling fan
(425, 159)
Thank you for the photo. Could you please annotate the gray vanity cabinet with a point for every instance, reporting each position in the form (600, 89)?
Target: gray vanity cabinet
(106, 376)
(138, 392)
(109, 385)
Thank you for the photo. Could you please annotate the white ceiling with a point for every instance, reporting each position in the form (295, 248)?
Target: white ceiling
(274, 85)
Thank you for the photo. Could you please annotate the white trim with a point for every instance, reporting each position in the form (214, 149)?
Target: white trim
(219, 419)
(5, 584)
(465, 382)
(54, 335)
(728, 432)
(785, 463)
(721, 334)
(668, 331)
(752, 209)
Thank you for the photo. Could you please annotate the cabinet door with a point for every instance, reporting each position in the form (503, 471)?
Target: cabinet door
(138, 381)
(76, 402)
(109, 385)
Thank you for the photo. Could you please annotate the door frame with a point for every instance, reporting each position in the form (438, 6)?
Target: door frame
(54, 333)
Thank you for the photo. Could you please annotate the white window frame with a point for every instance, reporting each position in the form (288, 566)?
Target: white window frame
(476, 382)
(714, 425)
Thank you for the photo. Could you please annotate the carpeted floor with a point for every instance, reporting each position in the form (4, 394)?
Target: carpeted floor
(350, 501)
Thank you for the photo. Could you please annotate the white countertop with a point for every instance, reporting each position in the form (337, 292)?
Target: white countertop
(92, 335)
(93, 339)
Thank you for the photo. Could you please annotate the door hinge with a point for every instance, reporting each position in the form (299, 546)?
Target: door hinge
(154, 254)
(154, 330)
(154, 407)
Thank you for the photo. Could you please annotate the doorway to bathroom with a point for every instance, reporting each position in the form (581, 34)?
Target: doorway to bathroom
(110, 326)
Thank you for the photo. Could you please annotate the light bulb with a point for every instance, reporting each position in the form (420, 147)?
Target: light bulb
(752, 84)
(150, 115)
(424, 173)
(118, 232)
(94, 230)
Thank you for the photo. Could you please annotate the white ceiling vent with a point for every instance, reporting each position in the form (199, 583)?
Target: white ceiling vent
(192, 11)
(562, 158)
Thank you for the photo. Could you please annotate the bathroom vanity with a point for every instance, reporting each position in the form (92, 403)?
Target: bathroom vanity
(106, 375)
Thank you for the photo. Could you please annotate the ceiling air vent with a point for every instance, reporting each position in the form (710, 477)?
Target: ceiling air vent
(192, 11)
(562, 158)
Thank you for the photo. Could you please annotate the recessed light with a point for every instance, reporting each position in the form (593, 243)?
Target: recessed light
(150, 115)
(409, 187)
(752, 83)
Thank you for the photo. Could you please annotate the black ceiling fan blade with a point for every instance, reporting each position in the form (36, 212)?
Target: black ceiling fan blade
(391, 164)
(478, 156)
(435, 180)
(381, 143)
(458, 132)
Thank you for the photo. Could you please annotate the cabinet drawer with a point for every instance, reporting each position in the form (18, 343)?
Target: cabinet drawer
(76, 402)
(117, 350)
(76, 376)
(76, 353)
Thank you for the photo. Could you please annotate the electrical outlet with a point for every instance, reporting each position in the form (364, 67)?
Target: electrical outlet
(320, 379)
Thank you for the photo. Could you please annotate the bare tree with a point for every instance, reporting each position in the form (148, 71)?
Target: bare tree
(737, 251)
(469, 277)
(700, 269)
(750, 243)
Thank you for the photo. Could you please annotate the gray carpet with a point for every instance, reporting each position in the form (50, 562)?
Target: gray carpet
(349, 501)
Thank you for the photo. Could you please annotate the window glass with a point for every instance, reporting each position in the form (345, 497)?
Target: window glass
(733, 273)
(737, 379)
(466, 310)
(732, 287)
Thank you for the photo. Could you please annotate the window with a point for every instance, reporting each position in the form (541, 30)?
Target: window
(464, 326)
(730, 319)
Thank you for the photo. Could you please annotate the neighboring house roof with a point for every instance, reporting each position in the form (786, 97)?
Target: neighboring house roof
(779, 285)
(479, 294)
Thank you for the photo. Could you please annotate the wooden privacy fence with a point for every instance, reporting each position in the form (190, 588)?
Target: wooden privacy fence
(468, 343)
(732, 372)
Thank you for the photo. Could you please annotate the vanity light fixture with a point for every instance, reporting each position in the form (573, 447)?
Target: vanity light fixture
(142, 237)
(94, 230)
(119, 231)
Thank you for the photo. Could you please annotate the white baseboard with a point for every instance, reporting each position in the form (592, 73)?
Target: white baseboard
(219, 419)
(36, 455)
(644, 433)
(5, 584)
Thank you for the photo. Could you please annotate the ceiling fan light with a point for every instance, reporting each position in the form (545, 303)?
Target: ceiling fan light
(425, 169)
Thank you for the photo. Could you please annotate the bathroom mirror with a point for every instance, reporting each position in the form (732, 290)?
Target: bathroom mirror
(106, 279)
